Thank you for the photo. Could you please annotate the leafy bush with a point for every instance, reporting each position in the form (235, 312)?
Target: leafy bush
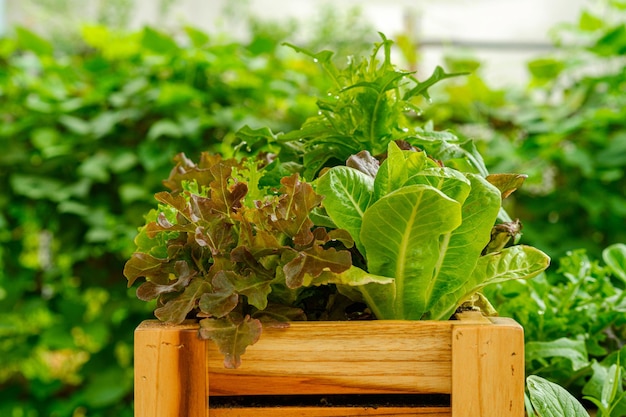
(574, 319)
(86, 139)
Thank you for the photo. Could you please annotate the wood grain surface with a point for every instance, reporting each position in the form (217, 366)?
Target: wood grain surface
(478, 361)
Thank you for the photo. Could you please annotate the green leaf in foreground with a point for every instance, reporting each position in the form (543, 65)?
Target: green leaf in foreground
(348, 193)
(551, 400)
(515, 262)
(402, 235)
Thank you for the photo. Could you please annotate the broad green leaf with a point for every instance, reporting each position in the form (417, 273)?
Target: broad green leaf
(589, 22)
(545, 69)
(573, 350)
(449, 181)
(176, 309)
(461, 248)
(397, 169)
(405, 235)
(612, 42)
(615, 257)
(515, 262)
(347, 194)
(551, 400)
(232, 336)
(255, 140)
(454, 152)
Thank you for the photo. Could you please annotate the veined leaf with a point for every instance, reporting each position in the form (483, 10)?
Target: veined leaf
(515, 262)
(455, 153)
(397, 169)
(551, 400)
(176, 309)
(223, 298)
(464, 245)
(403, 234)
(291, 213)
(232, 336)
(347, 194)
(449, 181)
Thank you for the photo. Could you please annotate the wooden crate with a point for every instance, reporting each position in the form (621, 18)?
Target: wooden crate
(473, 366)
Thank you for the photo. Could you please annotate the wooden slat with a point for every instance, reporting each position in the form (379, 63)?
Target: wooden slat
(330, 412)
(488, 369)
(340, 358)
(171, 378)
(479, 361)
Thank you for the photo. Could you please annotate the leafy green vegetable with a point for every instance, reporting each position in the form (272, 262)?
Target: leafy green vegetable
(223, 255)
(365, 111)
(425, 226)
(574, 319)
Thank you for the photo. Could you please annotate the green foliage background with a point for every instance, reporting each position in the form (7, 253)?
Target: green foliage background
(87, 135)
